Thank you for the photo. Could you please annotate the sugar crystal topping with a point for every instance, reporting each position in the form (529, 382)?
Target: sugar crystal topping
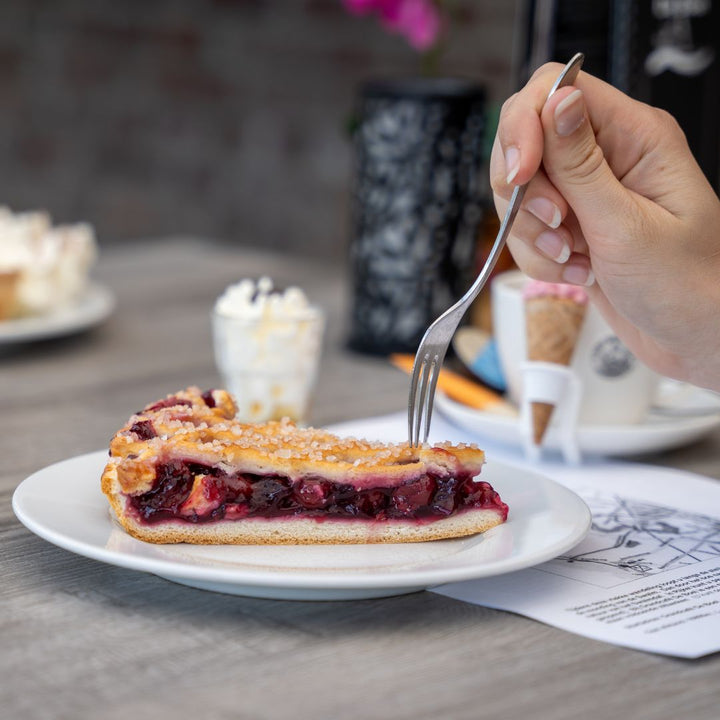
(222, 438)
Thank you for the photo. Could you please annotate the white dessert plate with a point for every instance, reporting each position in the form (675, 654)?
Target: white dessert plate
(90, 309)
(63, 504)
(682, 414)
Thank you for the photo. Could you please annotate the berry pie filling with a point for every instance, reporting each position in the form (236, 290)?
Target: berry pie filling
(196, 493)
(185, 470)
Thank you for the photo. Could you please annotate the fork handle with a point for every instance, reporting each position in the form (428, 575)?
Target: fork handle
(567, 77)
(498, 245)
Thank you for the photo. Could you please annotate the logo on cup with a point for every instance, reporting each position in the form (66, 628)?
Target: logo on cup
(611, 359)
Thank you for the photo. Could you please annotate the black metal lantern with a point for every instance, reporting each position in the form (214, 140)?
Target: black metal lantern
(416, 207)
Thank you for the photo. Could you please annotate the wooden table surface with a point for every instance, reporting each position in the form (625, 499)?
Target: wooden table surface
(81, 639)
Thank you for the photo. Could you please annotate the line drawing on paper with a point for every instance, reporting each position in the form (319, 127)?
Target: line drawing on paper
(631, 539)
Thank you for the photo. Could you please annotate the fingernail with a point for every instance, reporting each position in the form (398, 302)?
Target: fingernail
(545, 210)
(512, 163)
(553, 245)
(578, 275)
(570, 113)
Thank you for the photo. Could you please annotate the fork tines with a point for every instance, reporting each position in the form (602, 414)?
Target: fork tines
(422, 393)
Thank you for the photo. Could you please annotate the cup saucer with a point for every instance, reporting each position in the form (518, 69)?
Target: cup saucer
(685, 414)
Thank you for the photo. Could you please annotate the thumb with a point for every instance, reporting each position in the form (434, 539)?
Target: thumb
(575, 163)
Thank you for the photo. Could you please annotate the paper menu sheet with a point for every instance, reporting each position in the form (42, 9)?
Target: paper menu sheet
(647, 576)
(666, 617)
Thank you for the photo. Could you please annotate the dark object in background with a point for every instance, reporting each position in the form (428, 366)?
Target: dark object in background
(663, 52)
(416, 207)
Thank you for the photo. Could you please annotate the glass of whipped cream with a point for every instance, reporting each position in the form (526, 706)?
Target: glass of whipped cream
(267, 348)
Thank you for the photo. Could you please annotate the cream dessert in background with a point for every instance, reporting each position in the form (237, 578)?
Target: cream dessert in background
(267, 348)
(42, 267)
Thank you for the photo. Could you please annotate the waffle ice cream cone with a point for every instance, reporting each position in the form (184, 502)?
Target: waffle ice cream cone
(554, 317)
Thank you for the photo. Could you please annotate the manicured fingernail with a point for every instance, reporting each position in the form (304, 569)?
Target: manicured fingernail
(578, 275)
(570, 113)
(553, 245)
(512, 163)
(545, 210)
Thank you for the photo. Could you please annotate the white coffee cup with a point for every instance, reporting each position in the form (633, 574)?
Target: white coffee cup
(615, 387)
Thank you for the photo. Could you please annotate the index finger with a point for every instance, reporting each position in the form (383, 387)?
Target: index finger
(619, 132)
(520, 130)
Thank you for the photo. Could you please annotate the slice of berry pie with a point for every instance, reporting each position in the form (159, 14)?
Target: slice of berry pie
(183, 470)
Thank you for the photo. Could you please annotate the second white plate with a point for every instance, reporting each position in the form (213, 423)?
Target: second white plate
(64, 505)
(94, 306)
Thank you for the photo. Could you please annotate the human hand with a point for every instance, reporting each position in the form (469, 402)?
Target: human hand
(617, 203)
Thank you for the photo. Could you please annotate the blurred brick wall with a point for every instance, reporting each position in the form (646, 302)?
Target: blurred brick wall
(220, 118)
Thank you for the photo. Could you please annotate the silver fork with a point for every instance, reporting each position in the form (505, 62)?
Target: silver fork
(431, 352)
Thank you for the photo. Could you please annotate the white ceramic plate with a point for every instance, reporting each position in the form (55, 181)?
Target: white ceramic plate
(94, 306)
(64, 505)
(684, 414)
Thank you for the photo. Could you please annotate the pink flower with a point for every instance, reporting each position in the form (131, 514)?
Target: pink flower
(417, 20)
